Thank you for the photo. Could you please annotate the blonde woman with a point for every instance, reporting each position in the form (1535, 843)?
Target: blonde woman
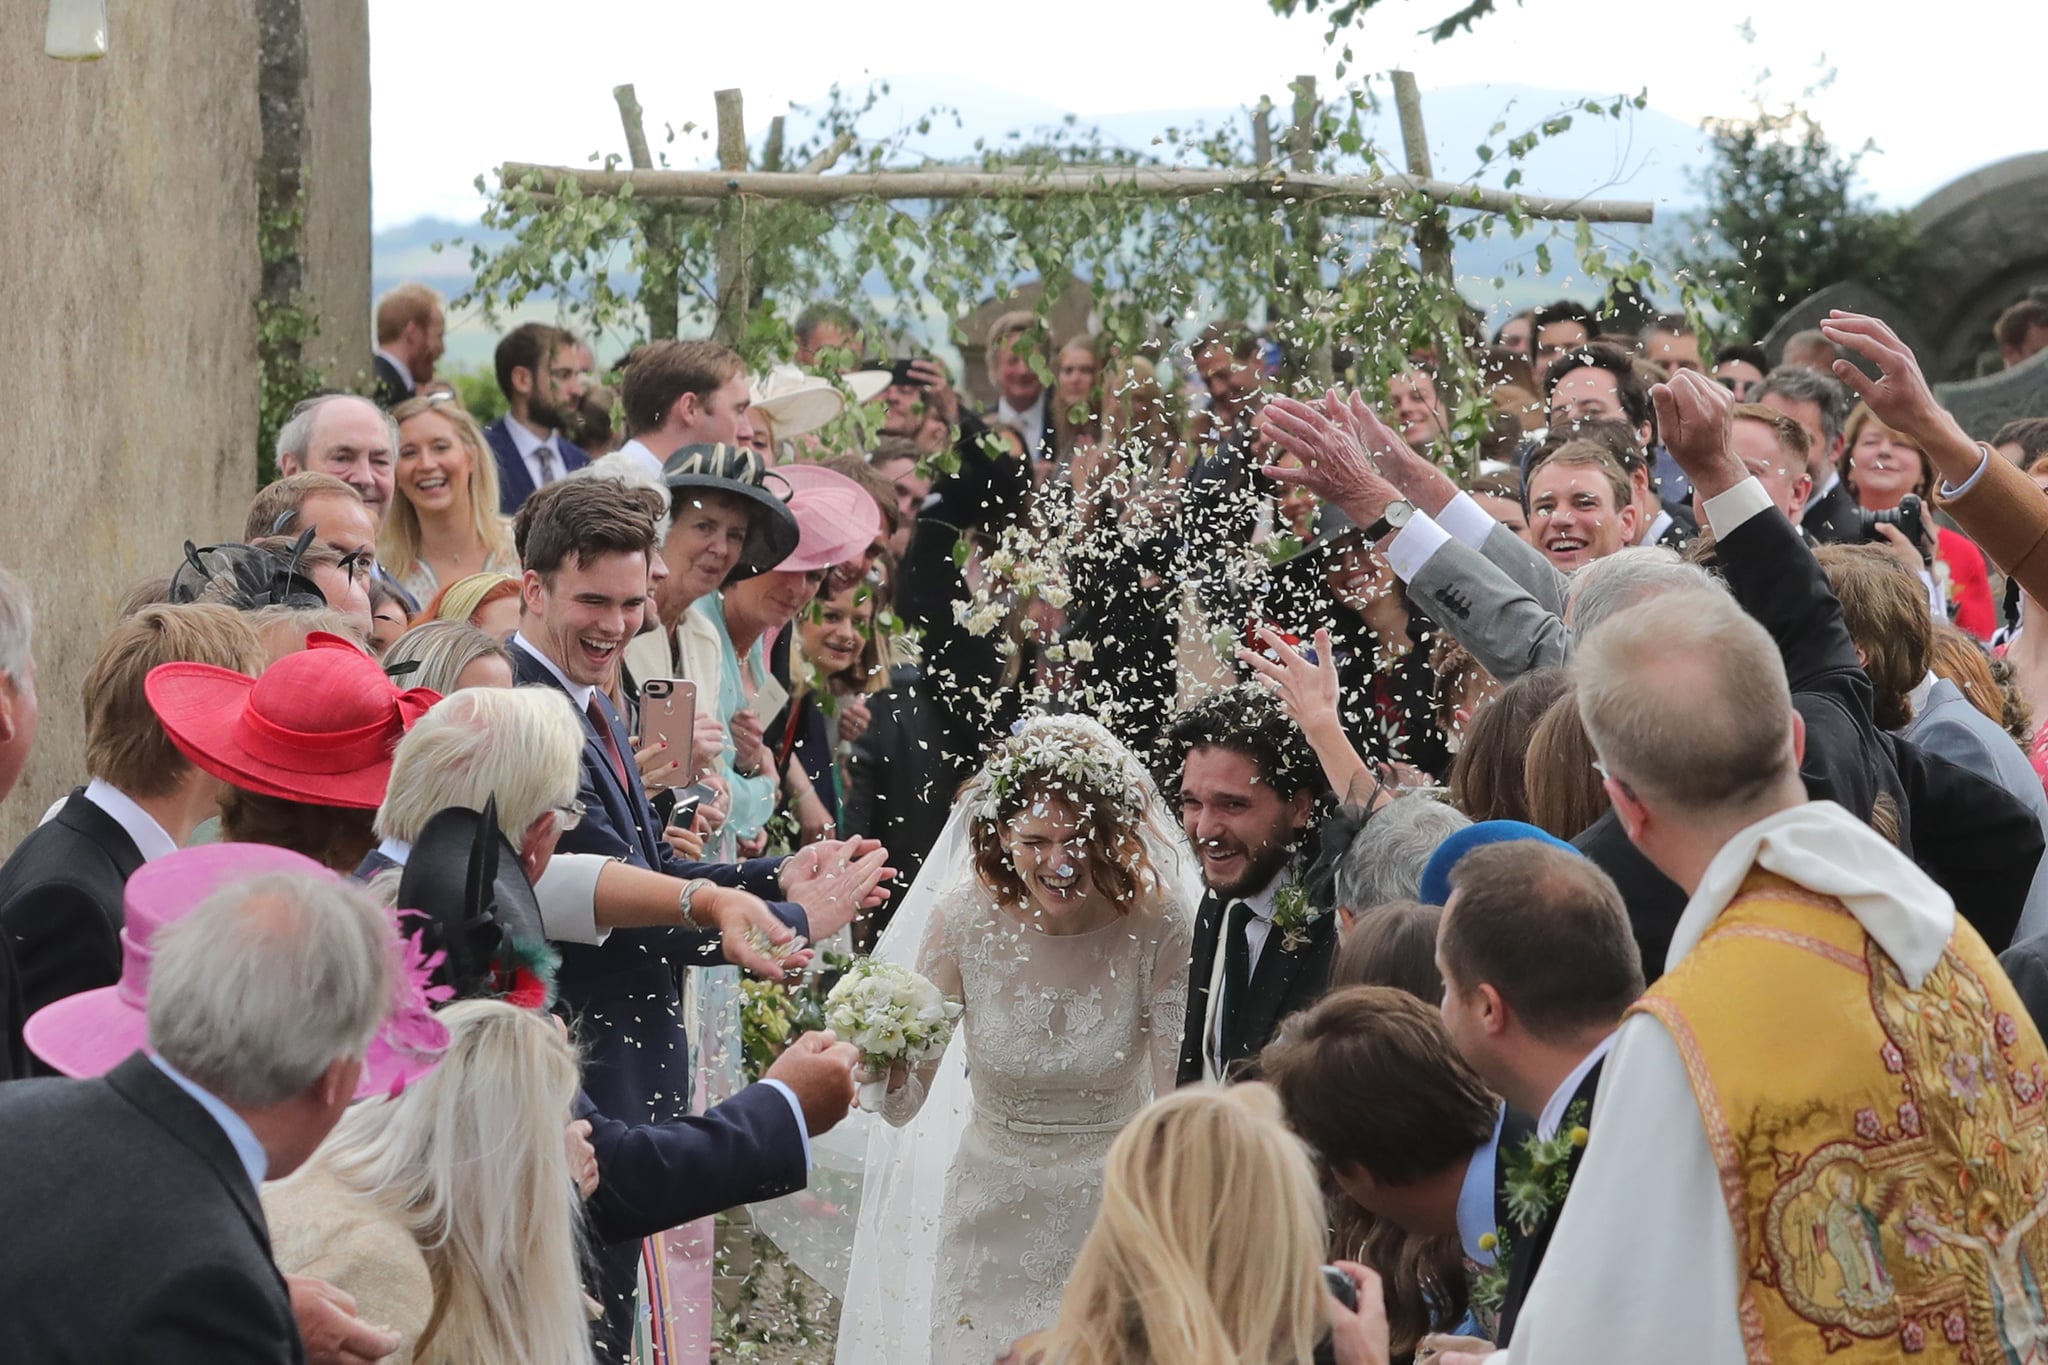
(449, 1213)
(1208, 1248)
(444, 522)
(447, 656)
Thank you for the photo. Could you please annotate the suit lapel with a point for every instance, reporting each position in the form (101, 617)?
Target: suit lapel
(626, 804)
(1273, 979)
(104, 832)
(138, 1081)
(1201, 1019)
(1528, 1256)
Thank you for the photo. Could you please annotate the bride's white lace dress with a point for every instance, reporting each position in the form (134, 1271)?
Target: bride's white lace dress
(1066, 1037)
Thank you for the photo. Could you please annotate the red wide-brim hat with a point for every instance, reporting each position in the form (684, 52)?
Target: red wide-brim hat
(318, 727)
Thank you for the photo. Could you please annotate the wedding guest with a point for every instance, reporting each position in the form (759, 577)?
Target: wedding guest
(682, 393)
(538, 371)
(1395, 945)
(260, 1005)
(444, 522)
(411, 327)
(1248, 786)
(466, 1259)
(1432, 1166)
(488, 601)
(348, 437)
(1539, 964)
(840, 651)
(1385, 860)
(1195, 1173)
(1879, 467)
(1717, 802)
(447, 656)
(342, 579)
(305, 751)
(331, 509)
(1563, 787)
(388, 615)
(1489, 776)
(60, 891)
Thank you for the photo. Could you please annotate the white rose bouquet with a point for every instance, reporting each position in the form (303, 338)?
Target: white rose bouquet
(892, 1015)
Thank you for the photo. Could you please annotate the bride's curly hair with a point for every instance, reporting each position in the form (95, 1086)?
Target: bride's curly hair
(1075, 761)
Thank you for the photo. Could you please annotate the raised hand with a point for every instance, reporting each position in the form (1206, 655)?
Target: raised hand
(1306, 686)
(1336, 464)
(1420, 481)
(835, 879)
(1695, 416)
(749, 935)
(1900, 395)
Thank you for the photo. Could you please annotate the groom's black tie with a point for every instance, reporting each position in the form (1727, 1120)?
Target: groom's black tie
(1237, 970)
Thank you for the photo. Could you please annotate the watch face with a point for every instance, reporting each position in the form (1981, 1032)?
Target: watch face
(1399, 512)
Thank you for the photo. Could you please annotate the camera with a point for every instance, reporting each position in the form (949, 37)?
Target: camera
(1342, 1289)
(1908, 516)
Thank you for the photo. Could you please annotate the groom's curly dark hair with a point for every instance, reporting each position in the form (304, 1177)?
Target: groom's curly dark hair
(1245, 719)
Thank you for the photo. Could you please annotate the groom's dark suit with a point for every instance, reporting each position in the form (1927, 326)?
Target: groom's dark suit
(1529, 1248)
(1284, 980)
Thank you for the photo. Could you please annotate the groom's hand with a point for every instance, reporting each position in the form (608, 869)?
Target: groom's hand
(819, 1068)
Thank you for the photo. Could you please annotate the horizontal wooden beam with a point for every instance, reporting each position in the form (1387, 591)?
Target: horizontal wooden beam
(694, 189)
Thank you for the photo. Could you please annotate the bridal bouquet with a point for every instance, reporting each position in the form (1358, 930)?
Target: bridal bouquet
(892, 1015)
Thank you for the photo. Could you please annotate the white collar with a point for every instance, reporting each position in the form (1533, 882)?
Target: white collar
(1830, 852)
(523, 439)
(641, 453)
(1552, 1117)
(1657, 528)
(1834, 477)
(1032, 416)
(577, 693)
(397, 850)
(404, 370)
(1917, 698)
(152, 840)
(1261, 901)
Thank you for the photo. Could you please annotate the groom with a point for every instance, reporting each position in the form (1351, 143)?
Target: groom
(1248, 788)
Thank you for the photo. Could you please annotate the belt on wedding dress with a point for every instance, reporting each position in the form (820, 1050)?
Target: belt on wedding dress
(1046, 1129)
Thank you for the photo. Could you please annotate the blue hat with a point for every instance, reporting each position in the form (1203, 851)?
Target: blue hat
(1436, 873)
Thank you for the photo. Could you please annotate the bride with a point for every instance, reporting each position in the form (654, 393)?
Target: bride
(1056, 910)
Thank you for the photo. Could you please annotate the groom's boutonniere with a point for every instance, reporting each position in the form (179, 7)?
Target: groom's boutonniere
(1293, 916)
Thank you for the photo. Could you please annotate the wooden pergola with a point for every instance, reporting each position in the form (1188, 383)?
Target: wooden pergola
(1295, 182)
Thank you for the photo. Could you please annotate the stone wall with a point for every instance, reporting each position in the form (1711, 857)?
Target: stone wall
(337, 148)
(128, 260)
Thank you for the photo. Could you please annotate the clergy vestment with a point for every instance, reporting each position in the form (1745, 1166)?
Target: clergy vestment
(1819, 1137)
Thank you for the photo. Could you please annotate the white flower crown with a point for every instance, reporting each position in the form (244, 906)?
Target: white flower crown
(1082, 759)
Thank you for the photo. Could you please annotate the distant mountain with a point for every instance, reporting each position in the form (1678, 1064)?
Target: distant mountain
(1642, 154)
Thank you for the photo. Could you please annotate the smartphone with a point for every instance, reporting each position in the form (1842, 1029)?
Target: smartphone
(668, 712)
(1341, 1287)
(685, 812)
(899, 374)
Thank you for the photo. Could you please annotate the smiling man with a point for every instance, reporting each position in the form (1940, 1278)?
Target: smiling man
(1580, 507)
(1248, 786)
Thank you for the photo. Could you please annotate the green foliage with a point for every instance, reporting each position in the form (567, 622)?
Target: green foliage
(1322, 281)
(1343, 14)
(1785, 220)
(478, 387)
(284, 324)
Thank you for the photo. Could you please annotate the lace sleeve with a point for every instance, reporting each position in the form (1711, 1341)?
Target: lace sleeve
(1166, 1001)
(938, 960)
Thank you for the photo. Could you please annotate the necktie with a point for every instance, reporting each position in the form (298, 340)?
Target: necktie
(1237, 959)
(546, 455)
(611, 741)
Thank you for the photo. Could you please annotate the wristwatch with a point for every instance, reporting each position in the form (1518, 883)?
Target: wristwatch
(1393, 519)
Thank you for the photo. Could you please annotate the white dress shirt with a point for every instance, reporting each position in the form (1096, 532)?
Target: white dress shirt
(1552, 1117)
(152, 840)
(404, 370)
(530, 446)
(633, 450)
(1257, 930)
(1031, 421)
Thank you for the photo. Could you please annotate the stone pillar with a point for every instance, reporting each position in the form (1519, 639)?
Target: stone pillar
(129, 262)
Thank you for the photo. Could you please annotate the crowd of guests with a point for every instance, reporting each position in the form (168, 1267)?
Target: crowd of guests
(1681, 720)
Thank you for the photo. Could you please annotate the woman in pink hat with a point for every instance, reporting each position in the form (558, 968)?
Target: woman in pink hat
(836, 522)
(305, 749)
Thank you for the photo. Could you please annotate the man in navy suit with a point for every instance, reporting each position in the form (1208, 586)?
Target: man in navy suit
(539, 374)
(1539, 964)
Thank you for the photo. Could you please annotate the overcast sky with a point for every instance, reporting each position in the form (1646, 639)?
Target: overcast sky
(460, 85)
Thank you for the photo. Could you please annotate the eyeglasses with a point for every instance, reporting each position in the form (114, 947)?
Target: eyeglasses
(569, 816)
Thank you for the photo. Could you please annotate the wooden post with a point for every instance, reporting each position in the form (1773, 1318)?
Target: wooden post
(1262, 132)
(1432, 234)
(661, 281)
(732, 223)
(771, 150)
(1308, 220)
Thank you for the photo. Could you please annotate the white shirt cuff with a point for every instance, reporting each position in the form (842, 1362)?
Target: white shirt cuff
(1419, 540)
(1466, 521)
(795, 1107)
(1726, 511)
(1983, 460)
(567, 893)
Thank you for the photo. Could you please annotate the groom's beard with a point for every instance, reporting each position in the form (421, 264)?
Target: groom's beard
(1259, 871)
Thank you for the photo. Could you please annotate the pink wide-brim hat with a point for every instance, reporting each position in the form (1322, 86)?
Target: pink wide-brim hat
(91, 1033)
(836, 518)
